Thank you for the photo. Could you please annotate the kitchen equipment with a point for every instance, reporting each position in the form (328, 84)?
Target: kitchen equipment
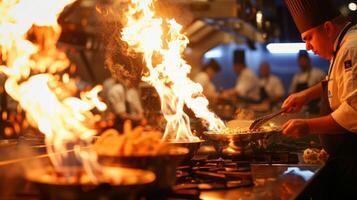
(192, 146)
(239, 140)
(213, 174)
(163, 165)
(262, 120)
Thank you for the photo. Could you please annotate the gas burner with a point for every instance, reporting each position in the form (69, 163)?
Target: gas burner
(225, 173)
(213, 174)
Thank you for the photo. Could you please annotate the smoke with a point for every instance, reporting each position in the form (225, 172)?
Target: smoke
(122, 61)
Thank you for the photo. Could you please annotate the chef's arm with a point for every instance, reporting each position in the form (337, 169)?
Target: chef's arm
(295, 101)
(313, 92)
(324, 125)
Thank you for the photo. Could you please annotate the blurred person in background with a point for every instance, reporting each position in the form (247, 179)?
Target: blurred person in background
(123, 100)
(307, 77)
(247, 83)
(271, 87)
(330, 35)
(205, 77)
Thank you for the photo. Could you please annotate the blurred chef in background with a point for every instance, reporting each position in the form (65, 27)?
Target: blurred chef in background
(123, 99)
(271, 87)
(247, 84)
(209, 71)
(307, 77)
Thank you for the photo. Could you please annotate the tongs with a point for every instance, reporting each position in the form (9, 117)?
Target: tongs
(262, 120)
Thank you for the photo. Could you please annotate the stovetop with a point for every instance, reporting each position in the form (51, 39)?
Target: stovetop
(216, 174)
(205, 174)
(213, 174)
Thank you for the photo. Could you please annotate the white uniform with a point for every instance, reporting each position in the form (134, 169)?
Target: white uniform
(247, 85)
(342, 86)
(209, 90)
(118, 97)
(311, 77)
(273, 86)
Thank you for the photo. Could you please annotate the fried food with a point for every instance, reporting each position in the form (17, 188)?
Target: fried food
(315, 156)
(246, 130)
(133, 142)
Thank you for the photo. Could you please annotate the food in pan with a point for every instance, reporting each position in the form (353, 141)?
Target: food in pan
(133, 142)
(246, 130)
(315, 156)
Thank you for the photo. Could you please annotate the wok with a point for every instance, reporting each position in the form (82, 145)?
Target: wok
(239, 140)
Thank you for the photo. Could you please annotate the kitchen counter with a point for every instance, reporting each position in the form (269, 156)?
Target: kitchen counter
(271, 181)
(277, 181)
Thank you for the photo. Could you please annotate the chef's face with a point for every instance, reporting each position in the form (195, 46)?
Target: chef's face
(318, 40)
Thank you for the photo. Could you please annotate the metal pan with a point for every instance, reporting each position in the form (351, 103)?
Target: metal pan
(192, 147)
(163, 165)
(239, 140)
(238, 130)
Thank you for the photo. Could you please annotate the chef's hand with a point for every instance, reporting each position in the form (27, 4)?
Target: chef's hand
(296, 128)
(294, 102)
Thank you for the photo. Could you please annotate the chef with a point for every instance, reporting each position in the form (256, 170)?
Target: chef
(271, 87)
(247, 84)
(308, 76)
(123, 99)
(327, 33)
(209, 71)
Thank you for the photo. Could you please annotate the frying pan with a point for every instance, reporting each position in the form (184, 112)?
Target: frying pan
(239, 138)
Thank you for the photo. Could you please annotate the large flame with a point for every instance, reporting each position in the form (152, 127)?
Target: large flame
(161, 42)
(46, 96)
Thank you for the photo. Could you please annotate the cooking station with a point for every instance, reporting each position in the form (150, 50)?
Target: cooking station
(207, 175)
(100, 101)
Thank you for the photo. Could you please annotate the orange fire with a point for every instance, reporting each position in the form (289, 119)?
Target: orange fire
(46, 96)
(144, 33)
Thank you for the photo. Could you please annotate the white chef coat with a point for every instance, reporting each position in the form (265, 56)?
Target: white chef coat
(107, 85)
(342, 85)
(247, 85)
(273, 86)
(311, 77)
(117, 95)
(133, 98)
(209, 90)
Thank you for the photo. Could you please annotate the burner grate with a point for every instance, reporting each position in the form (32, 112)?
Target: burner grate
(213, 175)
(225, 173)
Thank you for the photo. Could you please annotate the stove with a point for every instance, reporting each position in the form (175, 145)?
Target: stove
(205, 173)
(213, 173)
